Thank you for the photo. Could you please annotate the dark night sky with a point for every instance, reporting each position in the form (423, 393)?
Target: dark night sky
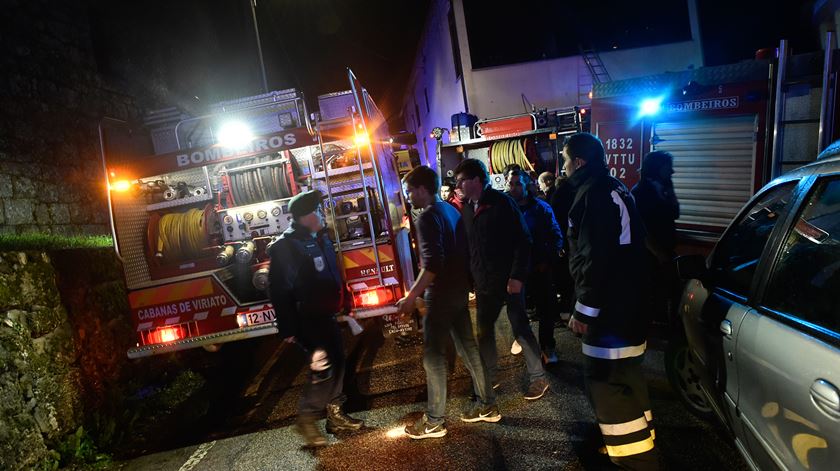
(732, 30)
(176, 50)
(182, 49)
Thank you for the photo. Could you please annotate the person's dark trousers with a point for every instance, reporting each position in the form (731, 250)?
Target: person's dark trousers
(618, 393)
(322, 332)
(541, 288)
(489, 306)
(664, 291)
(564, 284)
(450, 319)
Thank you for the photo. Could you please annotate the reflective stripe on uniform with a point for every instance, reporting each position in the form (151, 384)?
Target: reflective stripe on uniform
(624, 215)
(648, 415)
(614, 353)
(586, 310)
(624, 428)
(630, 449)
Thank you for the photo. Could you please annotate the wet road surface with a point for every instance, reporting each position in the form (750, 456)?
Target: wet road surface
(251, 426)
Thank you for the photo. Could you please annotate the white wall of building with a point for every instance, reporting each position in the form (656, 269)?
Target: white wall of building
(565, 82)
(433, 75)
(497, 91)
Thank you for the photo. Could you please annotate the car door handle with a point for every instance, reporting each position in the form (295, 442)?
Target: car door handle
(826, 396)
(726, 327)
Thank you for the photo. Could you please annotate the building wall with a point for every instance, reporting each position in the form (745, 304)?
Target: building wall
(565, 82)
(51, 99)
(434, 75)
(497, 91)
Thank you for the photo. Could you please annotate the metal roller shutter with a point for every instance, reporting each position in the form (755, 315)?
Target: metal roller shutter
(713, 166)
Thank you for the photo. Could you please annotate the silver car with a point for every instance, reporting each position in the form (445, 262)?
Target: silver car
(762, 323)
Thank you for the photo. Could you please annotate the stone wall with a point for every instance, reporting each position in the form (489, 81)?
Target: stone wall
(51, 100)
(39, 381)
(64, 373)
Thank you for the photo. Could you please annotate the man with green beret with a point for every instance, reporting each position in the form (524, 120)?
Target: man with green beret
(307, 291)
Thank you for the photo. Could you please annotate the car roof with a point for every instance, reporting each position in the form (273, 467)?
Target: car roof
(828, 160)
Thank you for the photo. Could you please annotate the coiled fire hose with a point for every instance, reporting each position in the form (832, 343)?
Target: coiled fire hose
(509, 152)
(260, 184)
(181, 235)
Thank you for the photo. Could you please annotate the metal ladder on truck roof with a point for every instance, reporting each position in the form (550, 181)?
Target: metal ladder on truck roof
(793, 108)
(597, 72)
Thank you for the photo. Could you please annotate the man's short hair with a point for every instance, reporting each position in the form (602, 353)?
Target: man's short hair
(510, 168)
(518, 172)
(546, 178)
(471, 168)
(587, 147)
(425, 177)
(654, 161)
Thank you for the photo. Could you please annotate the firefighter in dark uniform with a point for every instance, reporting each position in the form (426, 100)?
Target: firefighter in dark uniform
(607, 261)
(306, 289)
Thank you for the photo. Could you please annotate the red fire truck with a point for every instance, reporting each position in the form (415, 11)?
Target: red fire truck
(192, 220)
(730, 128)
(531, 140)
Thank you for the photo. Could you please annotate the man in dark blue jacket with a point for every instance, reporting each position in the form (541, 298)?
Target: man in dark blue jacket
(500, 250)
(545, 251)
(607, 261)
(307, 291)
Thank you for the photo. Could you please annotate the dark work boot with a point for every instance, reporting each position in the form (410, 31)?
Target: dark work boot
(338, 421)
(309, 431)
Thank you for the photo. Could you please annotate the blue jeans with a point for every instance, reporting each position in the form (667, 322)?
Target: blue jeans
(489, 307)
(450, 318)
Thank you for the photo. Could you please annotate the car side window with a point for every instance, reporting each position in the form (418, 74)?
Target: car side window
(738, 252)
(806, 280)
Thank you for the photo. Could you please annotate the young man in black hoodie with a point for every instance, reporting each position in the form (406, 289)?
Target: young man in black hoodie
(444, 283)
(607, 261)
(500, 250)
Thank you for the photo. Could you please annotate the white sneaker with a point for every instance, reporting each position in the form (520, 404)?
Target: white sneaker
(515, 349)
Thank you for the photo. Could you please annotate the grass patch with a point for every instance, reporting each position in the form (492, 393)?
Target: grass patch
(38, 241)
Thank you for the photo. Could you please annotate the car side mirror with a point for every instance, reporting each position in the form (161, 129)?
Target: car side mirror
(692, 267)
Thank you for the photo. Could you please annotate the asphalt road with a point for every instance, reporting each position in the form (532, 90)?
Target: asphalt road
(253, 426)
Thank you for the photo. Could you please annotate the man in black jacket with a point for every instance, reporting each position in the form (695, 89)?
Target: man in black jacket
(500, 247)
(444, 283)
(607, 261)
(306, 290)
(659, 209)
(561, 201)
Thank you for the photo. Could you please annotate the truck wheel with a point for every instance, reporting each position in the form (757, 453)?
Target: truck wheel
(682, 374)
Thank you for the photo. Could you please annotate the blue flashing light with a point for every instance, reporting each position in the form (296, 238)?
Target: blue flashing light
(650, 106)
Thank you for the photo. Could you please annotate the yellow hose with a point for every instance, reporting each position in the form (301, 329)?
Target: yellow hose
(508, 152)
(181, 235)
